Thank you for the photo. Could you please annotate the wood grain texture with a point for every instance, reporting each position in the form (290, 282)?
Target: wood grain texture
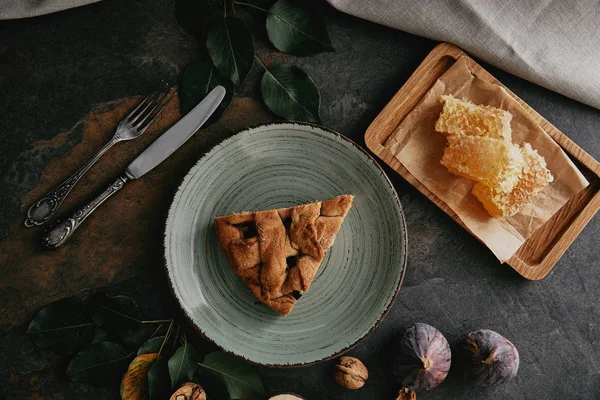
(538, 255)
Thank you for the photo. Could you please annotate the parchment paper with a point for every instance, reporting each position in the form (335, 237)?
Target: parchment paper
(419, 148)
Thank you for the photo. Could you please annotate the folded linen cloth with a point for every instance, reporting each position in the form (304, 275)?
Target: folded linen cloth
(14, 9)
(554, 43)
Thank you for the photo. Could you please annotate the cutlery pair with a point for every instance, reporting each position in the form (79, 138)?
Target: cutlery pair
(131, 127)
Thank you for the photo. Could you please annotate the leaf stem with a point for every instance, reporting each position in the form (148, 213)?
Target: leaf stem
(62, 328)
(250, 5)
(121, 314)
(157, 321)
(233, 7)
(175, 339)
(156, 330)
(166, 337)
(225, 8)
(260, 62)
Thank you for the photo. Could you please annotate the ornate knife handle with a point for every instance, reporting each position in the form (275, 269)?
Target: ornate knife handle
(43, 209)
(61, 232)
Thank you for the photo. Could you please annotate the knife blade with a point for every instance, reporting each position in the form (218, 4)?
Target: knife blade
(165, 145)
(177, 135)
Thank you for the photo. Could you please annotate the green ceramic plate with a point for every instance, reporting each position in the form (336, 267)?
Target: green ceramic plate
(281, 165)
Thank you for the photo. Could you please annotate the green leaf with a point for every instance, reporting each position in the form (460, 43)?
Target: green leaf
(182, 364)
(117, 314)
(197, 81)
(63, 326)
(214, 386)
(152, 345)
(290, 93)
(100, 364)
(159, 386)
(239, 377)
(231, 47)
(293, 27)
(192, 14)
(100, 335)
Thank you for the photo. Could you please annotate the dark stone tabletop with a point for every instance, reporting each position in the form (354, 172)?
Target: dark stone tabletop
(65, 81)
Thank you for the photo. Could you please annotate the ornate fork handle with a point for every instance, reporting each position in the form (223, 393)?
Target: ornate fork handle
(60, 233)
(42, 210)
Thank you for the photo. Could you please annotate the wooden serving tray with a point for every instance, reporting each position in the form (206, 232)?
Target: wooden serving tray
(536, 257)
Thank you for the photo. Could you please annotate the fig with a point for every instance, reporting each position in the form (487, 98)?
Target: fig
(488, 358)
(420, 357)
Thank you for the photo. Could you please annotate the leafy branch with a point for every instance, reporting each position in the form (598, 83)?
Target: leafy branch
(292, 27)
(161, 364)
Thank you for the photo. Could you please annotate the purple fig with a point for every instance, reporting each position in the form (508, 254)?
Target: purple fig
(489, 358)
(420, 357)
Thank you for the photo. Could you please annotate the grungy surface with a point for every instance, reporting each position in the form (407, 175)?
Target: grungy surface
(66, 80)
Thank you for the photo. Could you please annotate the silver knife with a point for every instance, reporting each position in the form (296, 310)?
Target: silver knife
(157, 152)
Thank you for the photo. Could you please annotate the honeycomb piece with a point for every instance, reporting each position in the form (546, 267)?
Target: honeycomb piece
(493, 162)
(534, 177)
(461, 117)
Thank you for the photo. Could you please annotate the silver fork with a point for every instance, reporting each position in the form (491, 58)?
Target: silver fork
(130, 127)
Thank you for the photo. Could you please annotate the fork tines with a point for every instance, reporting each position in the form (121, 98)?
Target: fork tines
(147, 111)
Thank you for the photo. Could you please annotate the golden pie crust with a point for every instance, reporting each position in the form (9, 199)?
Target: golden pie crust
(278, 252)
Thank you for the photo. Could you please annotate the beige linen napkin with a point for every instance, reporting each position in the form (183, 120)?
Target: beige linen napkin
(14, 9)
(554, 43)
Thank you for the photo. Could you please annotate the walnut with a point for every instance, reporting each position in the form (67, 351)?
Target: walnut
(407, 394)
(189, 391)
(351, 373)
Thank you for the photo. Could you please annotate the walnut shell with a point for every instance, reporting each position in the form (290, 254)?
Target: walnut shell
(407, 394)
(488, 358)
(351, 373)
(286, 396)
(189, 391)
(420, 358)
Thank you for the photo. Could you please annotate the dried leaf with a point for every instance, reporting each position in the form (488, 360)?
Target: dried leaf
(134, 384)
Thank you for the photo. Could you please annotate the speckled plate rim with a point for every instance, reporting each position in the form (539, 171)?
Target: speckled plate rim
(368, 158)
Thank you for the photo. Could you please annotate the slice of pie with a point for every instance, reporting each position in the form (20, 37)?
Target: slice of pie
(278, 252)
